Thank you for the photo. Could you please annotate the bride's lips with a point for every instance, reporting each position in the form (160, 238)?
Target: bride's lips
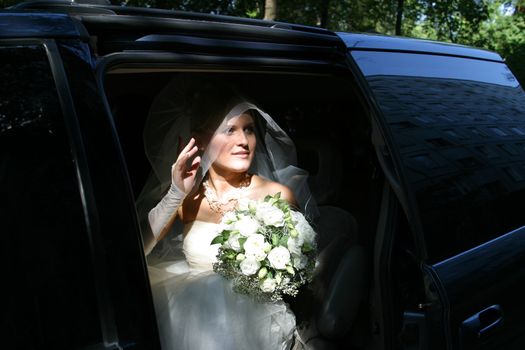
(242, 154)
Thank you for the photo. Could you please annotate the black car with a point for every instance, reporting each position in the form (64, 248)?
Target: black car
(415, 149)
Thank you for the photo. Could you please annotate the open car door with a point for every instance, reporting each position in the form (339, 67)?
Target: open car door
(452, 124)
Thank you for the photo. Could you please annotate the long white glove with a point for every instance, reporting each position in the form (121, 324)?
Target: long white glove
(182, 181)
(163, 213)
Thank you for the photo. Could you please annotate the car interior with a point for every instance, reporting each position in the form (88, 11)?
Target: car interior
(325, 117)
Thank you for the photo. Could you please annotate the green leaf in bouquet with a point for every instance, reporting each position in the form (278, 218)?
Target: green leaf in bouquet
(218, 240)
(284, 241)
(307, 247)
(273, 200)
(242, 240)
(275, 239)
(228, 233)
(228, 254)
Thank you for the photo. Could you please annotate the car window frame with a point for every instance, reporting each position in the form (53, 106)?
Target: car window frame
(71, 126)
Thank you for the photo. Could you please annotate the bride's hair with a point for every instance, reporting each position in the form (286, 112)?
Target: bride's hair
(205, 101)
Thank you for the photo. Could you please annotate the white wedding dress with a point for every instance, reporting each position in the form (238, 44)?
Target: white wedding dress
(198, 310)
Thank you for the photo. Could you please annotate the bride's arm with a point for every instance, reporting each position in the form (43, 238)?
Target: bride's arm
(162, 216)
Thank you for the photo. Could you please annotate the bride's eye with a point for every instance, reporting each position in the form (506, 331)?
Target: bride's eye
(249, 129)
(229, 130)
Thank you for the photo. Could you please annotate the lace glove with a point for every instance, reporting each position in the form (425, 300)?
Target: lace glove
(163, 212)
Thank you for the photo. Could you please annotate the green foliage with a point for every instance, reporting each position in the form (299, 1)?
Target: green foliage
(497, 25)
(453, 20)
(505, 34)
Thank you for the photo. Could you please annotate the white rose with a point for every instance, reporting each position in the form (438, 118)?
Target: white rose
(254, 247)
(306, 232)
(249, 266)
(227, 221)
(229, 217)
(295, 245)
(245, 204)
(223, 227)
(246, 225)
(233, 242)
(268, 285)
(270, 214)
(279, 257)
(299, 261)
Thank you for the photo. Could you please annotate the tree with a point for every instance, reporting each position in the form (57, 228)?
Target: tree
(496, 25)
(270, 10)
(399, 17)
(503, 33)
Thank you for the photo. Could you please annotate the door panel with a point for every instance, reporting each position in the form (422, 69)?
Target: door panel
(455, 128)
(51, 296)
(483, 290)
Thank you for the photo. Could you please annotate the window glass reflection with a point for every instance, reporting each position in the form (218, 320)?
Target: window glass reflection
(458, 125)
(433, 66)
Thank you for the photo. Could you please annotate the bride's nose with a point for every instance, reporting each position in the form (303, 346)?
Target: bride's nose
(242, 139)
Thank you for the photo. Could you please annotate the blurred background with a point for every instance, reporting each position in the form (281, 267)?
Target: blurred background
(497, 25)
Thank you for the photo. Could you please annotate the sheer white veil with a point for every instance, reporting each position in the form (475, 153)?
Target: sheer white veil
(193, 105)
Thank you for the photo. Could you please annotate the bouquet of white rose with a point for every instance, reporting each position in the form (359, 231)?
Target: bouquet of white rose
(266, 248)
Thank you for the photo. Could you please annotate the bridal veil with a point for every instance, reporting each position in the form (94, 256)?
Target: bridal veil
(198, 105)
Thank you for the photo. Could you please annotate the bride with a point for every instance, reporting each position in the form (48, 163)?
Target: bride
(235, 151)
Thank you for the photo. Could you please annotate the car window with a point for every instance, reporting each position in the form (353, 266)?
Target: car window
(50, 299)
(459, 127)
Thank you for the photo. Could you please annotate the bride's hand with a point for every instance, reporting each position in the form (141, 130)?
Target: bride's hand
(183, 174)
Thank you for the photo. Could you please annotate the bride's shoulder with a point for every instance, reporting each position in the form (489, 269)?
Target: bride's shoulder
(265, 187)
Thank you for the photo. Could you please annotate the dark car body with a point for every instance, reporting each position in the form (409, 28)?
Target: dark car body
(415, 149)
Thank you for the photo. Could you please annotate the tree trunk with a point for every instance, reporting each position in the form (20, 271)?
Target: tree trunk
(270, 9)
(399, 17)
(324, 13)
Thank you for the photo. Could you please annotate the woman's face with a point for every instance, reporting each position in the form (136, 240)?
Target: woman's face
(235, 144)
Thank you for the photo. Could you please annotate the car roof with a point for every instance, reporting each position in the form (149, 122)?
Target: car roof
(16, 24)
(372, 42)
(132, 27)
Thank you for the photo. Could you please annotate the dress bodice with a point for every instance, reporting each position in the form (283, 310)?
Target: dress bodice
(198, 235)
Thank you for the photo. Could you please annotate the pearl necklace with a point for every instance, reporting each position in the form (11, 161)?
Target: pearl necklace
(229, 199)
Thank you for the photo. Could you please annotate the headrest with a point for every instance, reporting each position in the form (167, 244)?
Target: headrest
(322, 160)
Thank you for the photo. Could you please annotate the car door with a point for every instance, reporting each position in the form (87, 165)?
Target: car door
(452, 120)
(75, 267)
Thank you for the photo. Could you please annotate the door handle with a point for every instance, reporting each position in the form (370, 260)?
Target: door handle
(485, 322)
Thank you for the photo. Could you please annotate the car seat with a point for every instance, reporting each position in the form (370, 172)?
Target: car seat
(326, 311)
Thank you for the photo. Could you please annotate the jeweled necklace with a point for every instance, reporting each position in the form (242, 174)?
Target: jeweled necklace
(229, 199)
